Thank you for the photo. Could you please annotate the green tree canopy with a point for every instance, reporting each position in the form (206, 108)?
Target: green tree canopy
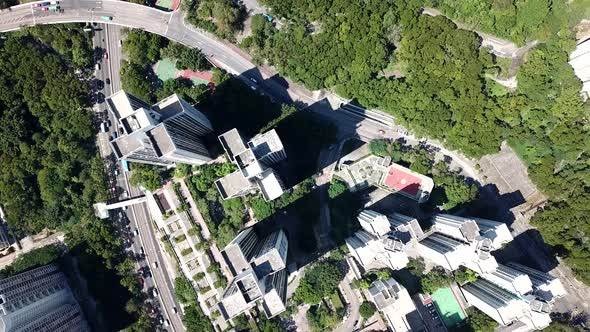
(319, 281)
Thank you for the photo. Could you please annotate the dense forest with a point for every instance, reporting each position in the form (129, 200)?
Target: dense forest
(50, 173)
(430, 76)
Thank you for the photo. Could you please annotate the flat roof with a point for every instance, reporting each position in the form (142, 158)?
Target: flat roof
(120, 102)
(402, 181)
(265, 143)
(169, 106)
(162, 139)
(232, 143)
(125, 145)
(270, 185)
(232, 184)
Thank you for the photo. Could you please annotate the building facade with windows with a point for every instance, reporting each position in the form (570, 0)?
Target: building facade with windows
(166, 133)
(39, 299)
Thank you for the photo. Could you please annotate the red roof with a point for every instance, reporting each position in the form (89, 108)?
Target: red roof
(403, 181)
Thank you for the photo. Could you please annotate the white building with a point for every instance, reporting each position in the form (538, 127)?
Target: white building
(457, 227)
(166, 133)
(496, 231)
(241, 250)
(383, 240)
(545, 285)
(374, 222)
(510, 279)
(254, 163)
(39, 300)
(513, 312)
(446, 251)
(394, 301)
(496, 302)
(580, 61)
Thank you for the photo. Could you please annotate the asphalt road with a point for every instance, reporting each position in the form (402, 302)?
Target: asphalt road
(107, 38)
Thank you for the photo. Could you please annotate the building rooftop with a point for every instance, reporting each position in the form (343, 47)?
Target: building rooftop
(232, 184)
(123, 104)
(406, 181)
(232, 143)
(162, 139)
(385, 292)
(270, 185)
(263, 144)
(124, 145)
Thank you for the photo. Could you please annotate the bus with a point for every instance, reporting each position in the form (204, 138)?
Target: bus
(106, 18)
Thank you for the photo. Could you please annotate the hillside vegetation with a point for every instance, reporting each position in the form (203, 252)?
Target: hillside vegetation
(441, 90)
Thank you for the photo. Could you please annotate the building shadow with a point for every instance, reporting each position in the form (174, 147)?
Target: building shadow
(528, 248)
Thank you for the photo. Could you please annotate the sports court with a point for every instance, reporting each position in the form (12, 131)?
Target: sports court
(165, 69)
(170, 5)
(403, 181)
(448, 307)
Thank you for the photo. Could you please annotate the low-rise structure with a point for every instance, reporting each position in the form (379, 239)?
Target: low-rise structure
(253, 160)
(379, 171)
(166, 133)
(39, 300)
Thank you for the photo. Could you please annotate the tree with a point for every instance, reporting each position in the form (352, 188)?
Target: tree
(336, 188)
(557, 326)
(479, 321)
(195, 320)
(367, 309)
(433, 280)
(416, 266)
(184, 290)
(319, 281)
(321, 318)
(464, 275)
(148, 176)
(141, 47)
(32, 259)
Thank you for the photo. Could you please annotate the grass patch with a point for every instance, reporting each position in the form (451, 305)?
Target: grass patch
(336, 301)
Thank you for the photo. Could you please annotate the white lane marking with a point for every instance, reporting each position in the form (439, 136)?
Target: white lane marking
(33, 13)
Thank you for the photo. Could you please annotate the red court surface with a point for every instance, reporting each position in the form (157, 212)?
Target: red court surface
(403, 181)
(175, 5)
(203, 75)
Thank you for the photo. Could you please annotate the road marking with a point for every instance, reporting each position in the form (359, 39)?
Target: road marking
(168, 25)
(33, 13)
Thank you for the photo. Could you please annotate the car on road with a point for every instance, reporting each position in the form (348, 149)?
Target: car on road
(114, 135)
(381, 132)
(97, 66)
(107, 80)
(156, 264)
(175, 310)
(155, 292)
(106, 55)
(166, 322)
(136, 232)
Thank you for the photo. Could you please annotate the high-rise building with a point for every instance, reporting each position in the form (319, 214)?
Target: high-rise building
(374, 222)
(267, 147)
(241, 250)
(445, 251)
(510, 279)
(168, 132)
(380, 243)
(271, 253)
(393, 300)
(460, 228)
(496, 302)
(254, 163)
(405, 228)
(496, 231)
(545, 285)
(241, 294)
(39, 300)
(261, 278)
(275, 293)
